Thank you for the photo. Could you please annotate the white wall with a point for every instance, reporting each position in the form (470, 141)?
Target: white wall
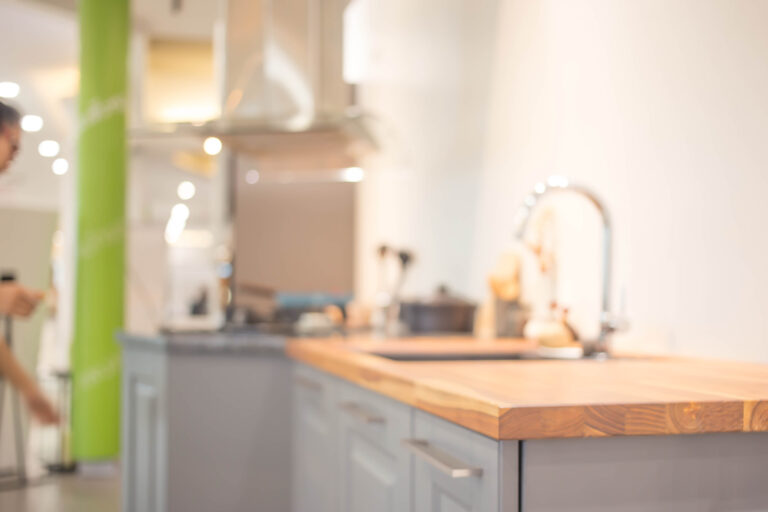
(658, 105)
(426, 83)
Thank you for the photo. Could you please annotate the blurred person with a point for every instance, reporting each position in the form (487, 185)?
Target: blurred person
(15, 299)
(10, 135)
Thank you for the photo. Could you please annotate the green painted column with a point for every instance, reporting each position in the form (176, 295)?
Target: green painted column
(101, 188)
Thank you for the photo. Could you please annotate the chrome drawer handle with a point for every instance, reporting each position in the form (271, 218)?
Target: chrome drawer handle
(358, 412)
(308, 383)
(445, 462)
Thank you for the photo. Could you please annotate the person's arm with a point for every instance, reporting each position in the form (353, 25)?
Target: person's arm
(16, 300)
(37, 402)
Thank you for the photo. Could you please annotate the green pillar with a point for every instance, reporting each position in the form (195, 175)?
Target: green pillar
(104, 26)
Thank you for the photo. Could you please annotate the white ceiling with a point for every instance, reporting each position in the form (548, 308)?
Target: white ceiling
(40, 38)
(34, 62)
(160, 19)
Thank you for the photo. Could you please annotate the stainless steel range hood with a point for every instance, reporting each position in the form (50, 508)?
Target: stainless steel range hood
(284, 60)
(284, 99)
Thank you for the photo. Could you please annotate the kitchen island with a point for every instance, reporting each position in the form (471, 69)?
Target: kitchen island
(625, 434)
(248, 421)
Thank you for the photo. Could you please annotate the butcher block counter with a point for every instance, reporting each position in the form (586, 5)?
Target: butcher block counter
(542, 399)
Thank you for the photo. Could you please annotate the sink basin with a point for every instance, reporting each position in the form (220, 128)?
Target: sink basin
(394, 356)
(520, 356)
(466, 349)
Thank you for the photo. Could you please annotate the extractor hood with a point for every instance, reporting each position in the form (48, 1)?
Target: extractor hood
(284, 100)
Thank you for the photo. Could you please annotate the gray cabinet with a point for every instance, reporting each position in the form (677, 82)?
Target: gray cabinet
(389, 457)
(206, 424)
(374, 468)
(454, 469)
(358, 451)
(315, 480)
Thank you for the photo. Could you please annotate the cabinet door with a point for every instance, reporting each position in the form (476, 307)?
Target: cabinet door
(314, 440)
(143, 432)
(455, 469)
(682, 473)
(374, 467)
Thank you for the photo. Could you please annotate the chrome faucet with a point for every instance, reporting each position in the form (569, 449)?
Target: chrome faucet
(608, 323)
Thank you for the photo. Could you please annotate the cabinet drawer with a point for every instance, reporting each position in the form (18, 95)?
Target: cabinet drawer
(314, 436)
(313, 394)
(374, 467)
(306, 379)
(373, 415)
(455, 469)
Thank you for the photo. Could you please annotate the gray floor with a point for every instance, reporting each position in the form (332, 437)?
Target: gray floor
(64, 494)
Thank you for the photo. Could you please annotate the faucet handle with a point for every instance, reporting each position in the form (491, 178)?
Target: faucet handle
(610, 322)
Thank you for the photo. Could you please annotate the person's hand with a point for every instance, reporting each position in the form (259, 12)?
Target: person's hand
(17, 300)
(40, 407)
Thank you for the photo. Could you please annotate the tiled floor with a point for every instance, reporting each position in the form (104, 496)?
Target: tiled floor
(64, 494)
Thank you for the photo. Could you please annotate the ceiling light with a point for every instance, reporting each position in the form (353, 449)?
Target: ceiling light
(212, 146)
(252, 177)
(180, 211)
(31, 123)
(186, 190)
(9, 89)
(353, 174)
(49, 148)
(176, 223)
(60, 166)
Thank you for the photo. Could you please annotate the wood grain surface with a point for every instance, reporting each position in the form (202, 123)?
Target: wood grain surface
(538, 399)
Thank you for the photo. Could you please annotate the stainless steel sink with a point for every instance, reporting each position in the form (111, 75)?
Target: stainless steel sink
(478, 356)
(453, 356)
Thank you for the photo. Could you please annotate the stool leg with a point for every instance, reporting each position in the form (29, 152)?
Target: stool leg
(21, 462)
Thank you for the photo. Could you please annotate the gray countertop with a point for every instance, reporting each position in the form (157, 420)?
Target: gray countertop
(251, 342)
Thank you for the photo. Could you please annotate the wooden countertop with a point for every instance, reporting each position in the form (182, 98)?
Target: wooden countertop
(537, 399)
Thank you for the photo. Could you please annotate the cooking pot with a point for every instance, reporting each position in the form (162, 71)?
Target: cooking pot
(442, 313)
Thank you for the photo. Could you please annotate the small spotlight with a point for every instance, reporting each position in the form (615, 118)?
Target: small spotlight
(212, 146)
(180, 211)
(252, 177)
(186, 190)
(9, 90)
(31, 123)
(60, 166)
(48, 148)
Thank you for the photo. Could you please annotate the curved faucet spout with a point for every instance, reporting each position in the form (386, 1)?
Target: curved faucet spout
(560, 184)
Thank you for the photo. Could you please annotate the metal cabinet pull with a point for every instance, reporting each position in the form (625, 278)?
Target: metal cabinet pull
(360, 413)
(308, 383)
(445, 462)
